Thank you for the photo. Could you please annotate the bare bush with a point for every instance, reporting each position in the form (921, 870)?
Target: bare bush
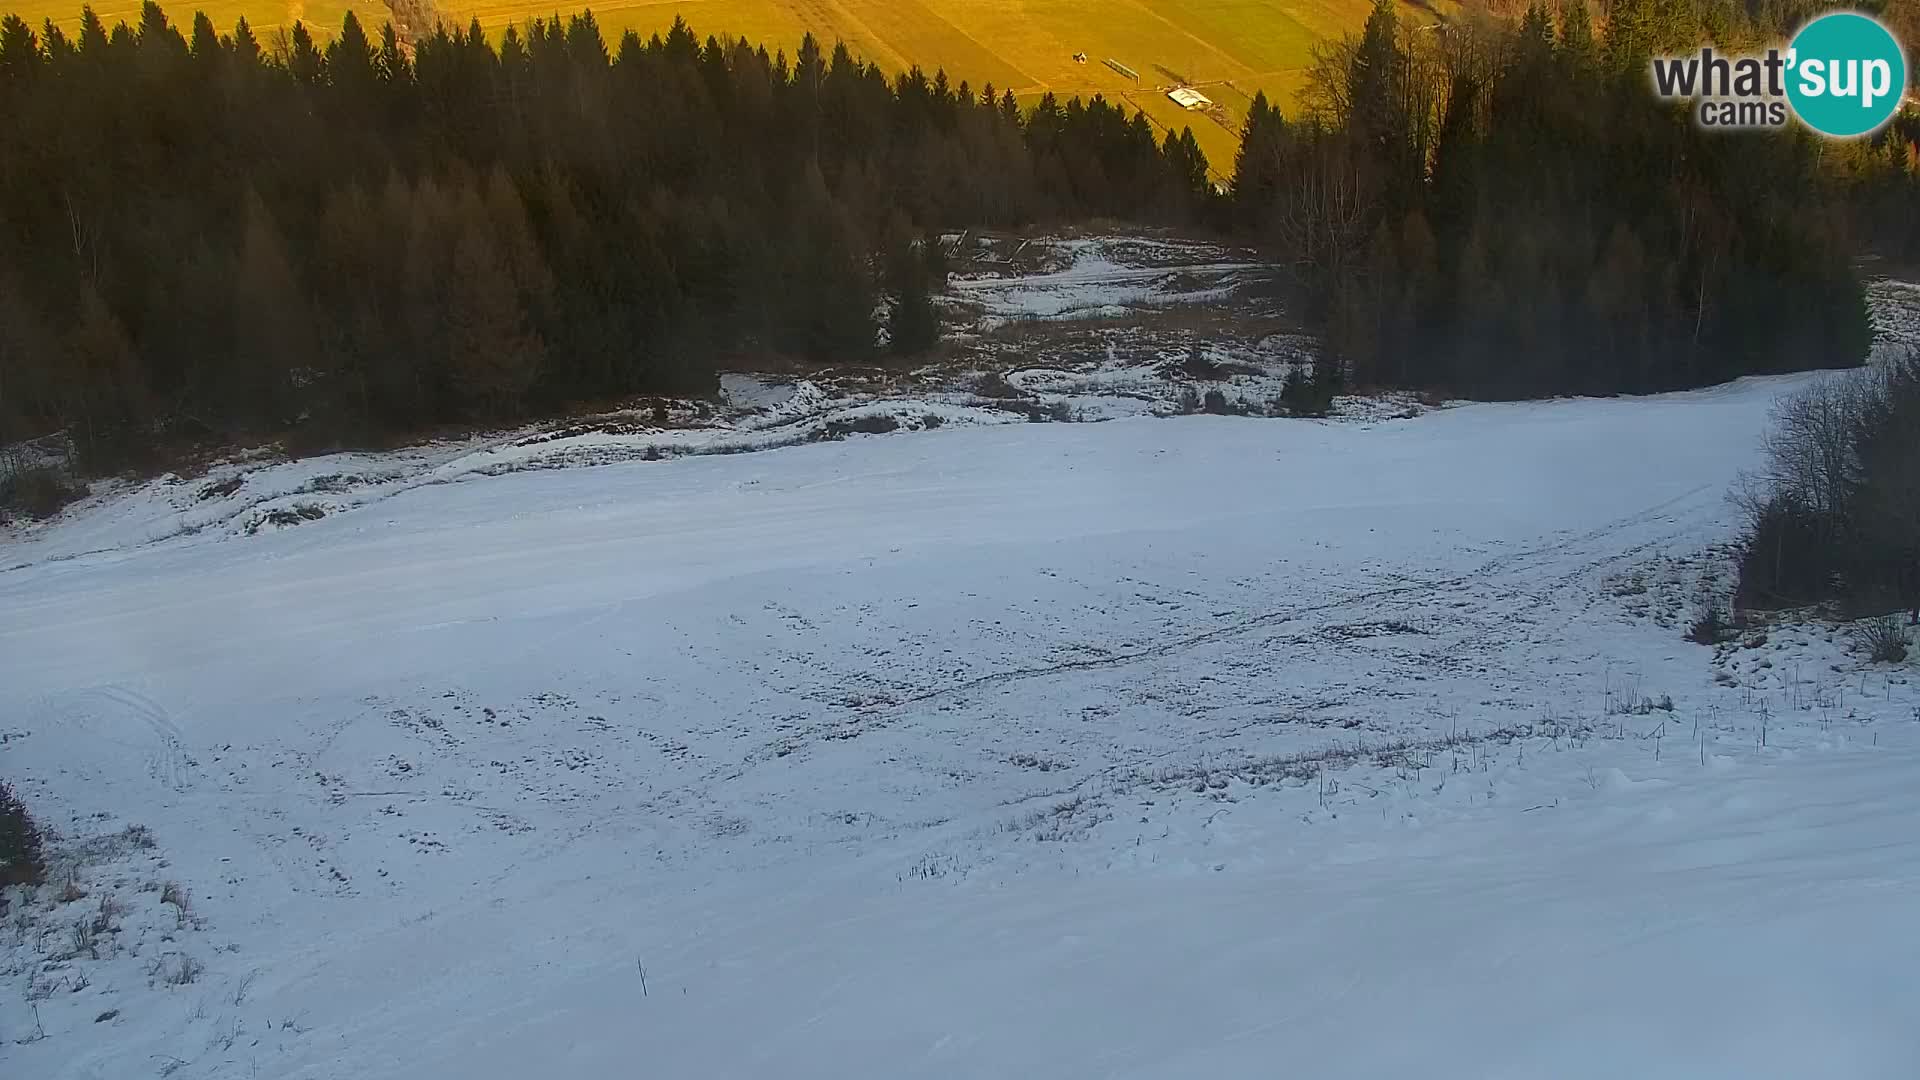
(38, 490)
(1836, 513)
(1709, 627)
(84, 940)
(175, 969)
(106, 919)
(1640, 706)
(1884, 640)
(1787, 559)
(1810, 449)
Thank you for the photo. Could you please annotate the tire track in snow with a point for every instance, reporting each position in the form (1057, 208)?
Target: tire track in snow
(1521, 560)
(95, 708)
(880, 715)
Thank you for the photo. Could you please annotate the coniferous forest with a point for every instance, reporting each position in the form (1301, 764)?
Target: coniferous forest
(211, 238)
(1506, 211)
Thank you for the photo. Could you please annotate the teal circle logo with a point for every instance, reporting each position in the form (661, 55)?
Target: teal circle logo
(1846, 74)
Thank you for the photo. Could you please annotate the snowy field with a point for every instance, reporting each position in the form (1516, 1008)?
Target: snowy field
(1203, 746)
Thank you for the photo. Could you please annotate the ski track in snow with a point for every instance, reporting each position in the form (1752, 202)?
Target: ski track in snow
(968, 754)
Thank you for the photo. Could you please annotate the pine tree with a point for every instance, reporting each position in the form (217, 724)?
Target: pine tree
(1631, 32)
(59, 51)
(350, 60)
(493, 354)
(1378, 120)
(103, 386)
(23, 858)
(273, 330)
(245, 48)
(204, 47)
(913, 325)
(1576, 42)
(304, 61)
(19, 50)
(1257, 166)
(1193, 175)
(93, 35)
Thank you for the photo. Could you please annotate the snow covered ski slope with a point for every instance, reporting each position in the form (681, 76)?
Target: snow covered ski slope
(1206, 746)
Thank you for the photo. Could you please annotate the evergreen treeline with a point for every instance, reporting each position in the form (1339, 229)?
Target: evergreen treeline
(208, 238)
(1503, 209)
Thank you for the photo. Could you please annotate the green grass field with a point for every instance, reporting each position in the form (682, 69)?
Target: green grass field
(1229, 49)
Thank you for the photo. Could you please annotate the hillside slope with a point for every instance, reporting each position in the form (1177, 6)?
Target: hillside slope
(1141, 748)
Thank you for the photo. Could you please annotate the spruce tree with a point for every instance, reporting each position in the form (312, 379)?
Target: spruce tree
(204, 46)
(93, 34)
(350, 60)
(23, 858)
(245, 48)
(19, 51)
(273, 328)
(304, 61)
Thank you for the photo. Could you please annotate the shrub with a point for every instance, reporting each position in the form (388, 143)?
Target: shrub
(1884, 640)
(22, 858)
(1710, 628)
(71, 890)
(84, 940)
(1215, 403)
(107, 919)
(995, 385)
(175, 969)
(872, 424)
(38, 491)
(1836, 514)
(1305, 394)
(1198, 365)
(1787, 559)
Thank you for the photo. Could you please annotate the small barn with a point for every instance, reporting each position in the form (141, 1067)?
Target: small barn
(1188, 98)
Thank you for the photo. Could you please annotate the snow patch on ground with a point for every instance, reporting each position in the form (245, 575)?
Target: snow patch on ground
(1022, 279)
